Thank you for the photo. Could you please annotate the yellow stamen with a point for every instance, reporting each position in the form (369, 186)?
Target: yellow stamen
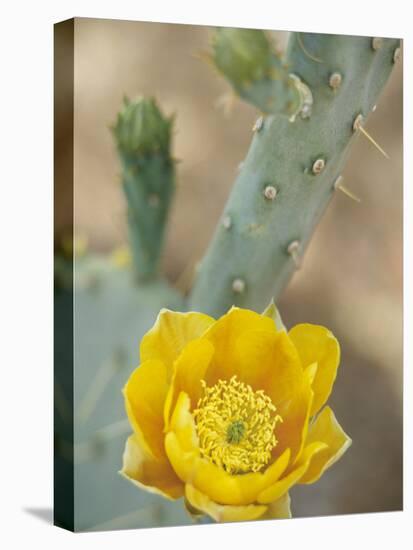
(235, 426)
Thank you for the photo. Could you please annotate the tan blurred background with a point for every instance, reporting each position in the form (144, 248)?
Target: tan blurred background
(351, 279)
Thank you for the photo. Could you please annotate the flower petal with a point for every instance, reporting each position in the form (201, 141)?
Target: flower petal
(189, 370)
(170, 334)
(155, 476)
(145, 394)
(279, 509)
(269, 361)
(220, 512)
(292, 431)
(316, 344)
(325, 428)
(181, 445)
(224, 334)
(183, 424)
(279, 488)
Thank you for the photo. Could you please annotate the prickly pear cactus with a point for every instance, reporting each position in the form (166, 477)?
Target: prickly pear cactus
(111, 314)
(314, 102)
(116, 299)
(143, 136)
(291, 170)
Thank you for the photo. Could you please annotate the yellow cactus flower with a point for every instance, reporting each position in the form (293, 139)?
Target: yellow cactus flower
(229, 413)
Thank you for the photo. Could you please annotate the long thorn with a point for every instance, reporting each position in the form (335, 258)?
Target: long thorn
(349, 193)
(368, 136)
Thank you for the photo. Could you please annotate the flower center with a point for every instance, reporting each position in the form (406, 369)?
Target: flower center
(235, 426)
(235, 431)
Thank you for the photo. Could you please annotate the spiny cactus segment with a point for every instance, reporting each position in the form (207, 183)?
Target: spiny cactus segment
(143, 138)
(293, 166)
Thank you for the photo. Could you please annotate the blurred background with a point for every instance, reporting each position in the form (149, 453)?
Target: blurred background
(351, 280)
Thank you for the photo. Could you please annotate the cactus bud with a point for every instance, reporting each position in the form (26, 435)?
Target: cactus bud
(242, 55)
(245, 57)
(143, 138)
(141, 128)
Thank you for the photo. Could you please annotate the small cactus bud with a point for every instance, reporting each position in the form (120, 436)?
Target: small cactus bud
(246, 59)
(141, 128)
(242, 55)
(143, 137)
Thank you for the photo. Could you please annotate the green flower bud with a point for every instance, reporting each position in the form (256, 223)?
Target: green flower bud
(242, 55)
(142, 129)
(246, 58)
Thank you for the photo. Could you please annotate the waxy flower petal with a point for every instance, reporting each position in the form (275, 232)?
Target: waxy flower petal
(170, 334)
(279, 488)
(326, 429)
(267, 360)
(145, 394)
(317, 344)
(146, 472)
(219, 512)
(189, 370)
(225, 333)
(292, 432)
(279, 509)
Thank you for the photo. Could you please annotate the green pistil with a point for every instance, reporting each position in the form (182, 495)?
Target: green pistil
(235, 431)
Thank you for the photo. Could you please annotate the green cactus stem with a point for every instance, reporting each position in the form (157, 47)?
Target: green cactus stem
(143, 137)
(289, 174)
(110, 315)
(257, 74)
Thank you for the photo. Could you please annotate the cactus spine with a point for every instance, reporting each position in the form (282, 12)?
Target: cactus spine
(143, 137)
(288, 176)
